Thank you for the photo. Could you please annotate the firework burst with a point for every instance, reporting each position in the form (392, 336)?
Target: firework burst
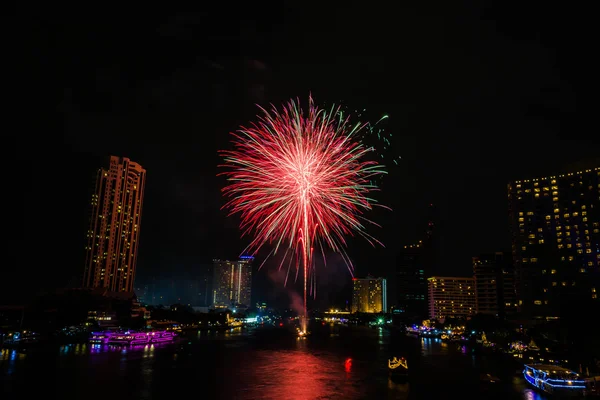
(299, 181)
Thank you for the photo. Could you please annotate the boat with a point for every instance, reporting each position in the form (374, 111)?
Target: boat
(131, 338)
(398, 367)
(554, 379)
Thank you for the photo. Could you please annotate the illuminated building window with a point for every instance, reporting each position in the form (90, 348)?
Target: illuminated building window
(521, 219)
(540, 230)
(584, 219)
(531, 236)
(541, 241)
(553, 271)
(579, 251)
(537, 302)
(564, 283)
(529, 212)
(560, 246)
(583, 207)
(566, 215)
(554, 283)
(543, 271)
(556, 211)
(582, 270)
(545, 290)
(570, 258)
(533, 260)
(524, 248)
(588, 251)
(527, 190)
(547, 217)
(520, 213)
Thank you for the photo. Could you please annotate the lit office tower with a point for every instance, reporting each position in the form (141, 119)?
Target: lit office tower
(232, 282)
(113, 236)
(369, 295)
(451, 297)
(495, 284)
(556, 242)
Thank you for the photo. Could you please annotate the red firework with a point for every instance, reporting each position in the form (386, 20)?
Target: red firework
(299, 180)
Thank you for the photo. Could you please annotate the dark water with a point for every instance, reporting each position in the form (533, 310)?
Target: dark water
(260, 364)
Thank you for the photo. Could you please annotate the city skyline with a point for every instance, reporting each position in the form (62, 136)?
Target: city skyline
(500, 107)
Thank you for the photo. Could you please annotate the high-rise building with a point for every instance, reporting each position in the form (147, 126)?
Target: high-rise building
(495, 284)
(451, 297)
(114, 232)
(555, 224)
(232, 282)
(411, 263)
(369, 295)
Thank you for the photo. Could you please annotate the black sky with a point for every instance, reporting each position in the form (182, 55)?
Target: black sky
(477, 95)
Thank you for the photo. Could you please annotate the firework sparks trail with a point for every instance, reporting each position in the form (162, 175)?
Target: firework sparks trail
(298, 180)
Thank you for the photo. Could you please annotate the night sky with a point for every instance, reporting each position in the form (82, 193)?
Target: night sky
(477, 95)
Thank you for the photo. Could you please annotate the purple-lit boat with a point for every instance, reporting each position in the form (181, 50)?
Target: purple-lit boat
(131, 338)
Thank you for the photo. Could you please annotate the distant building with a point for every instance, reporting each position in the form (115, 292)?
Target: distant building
(413, 262)
(451, 297)
(369, 295)
(114, 232)
(495, 284)
(555, 223)
(232, 283)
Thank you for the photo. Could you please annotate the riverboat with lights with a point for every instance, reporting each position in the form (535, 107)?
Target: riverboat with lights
(132, 338)
(555, 380)
(398, 367)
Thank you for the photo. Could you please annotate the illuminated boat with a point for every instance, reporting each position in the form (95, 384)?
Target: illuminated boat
(100, 337)
(132, 338)
(161, 337)
(554, 379)
(398, 367)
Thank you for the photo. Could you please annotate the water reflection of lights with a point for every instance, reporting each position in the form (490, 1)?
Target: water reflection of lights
(398, 387)
(11, 356)
(532, 395)
(348, 365)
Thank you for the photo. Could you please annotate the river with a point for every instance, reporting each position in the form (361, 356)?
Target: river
(263, 363)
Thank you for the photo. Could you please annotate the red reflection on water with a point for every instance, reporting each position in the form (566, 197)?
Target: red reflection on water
(299, 376)
(348, 365)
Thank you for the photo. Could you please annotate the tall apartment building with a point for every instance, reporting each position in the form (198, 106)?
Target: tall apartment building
(369, 295)
(555, 223)
(413, 262)
(232, 282)
(114, 232)
(451, 297)
(495, 284)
